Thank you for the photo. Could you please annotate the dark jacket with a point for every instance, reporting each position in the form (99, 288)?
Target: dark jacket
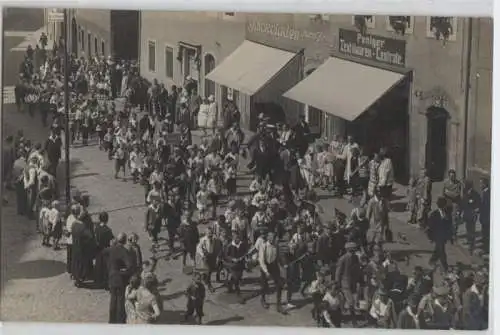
(120, 267)
(440, 228)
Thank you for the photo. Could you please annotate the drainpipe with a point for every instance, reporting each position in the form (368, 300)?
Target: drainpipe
(467, 97)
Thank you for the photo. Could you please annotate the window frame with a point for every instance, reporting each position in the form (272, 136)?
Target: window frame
(454, 25)
(103, 47)
(149, 41)
(409, 28)
(369, 25)
(172, 49)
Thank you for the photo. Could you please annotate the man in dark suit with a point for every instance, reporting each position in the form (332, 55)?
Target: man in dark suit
(53, 147)
(440, 232)
(119, 271)
(348, 274)
(484, 213)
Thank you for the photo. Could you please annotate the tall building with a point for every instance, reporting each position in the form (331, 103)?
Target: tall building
(100, 31)
(175, 45)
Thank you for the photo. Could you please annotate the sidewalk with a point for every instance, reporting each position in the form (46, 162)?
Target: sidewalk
(33, 39)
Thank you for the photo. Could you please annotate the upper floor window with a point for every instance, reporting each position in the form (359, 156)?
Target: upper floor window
(400, 24)
(169, 62)
(228, 13)
(363, 22)
(442, 28)
(152, 56)
(319, 17)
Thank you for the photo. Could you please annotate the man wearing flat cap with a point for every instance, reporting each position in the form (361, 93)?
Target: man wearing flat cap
(439, 312)
(347, 274)
(475, 304)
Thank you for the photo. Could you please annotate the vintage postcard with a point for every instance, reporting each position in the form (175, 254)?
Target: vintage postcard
(226, 168)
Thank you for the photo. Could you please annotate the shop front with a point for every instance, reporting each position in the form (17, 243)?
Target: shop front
(254, 77)
(362, 90)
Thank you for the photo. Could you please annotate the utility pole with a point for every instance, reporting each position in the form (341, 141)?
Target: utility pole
(66, 112)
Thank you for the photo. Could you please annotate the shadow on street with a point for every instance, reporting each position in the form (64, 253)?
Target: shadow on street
(42, 268)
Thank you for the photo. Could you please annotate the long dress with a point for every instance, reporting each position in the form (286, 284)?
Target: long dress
(82, 250)
(103, 236)
(203, 116)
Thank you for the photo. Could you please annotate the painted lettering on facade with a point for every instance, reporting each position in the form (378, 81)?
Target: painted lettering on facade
(376, 48)
(285, 31)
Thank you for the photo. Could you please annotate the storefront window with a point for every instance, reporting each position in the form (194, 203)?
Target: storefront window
(334, 126)
(316, 120)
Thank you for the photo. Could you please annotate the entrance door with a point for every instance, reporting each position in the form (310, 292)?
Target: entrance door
(74, 37)
(436, 147)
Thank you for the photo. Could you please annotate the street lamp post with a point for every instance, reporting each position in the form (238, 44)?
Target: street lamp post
(66, 111)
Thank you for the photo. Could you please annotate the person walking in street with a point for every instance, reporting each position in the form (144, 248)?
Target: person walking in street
(484, 214)
(103, 236)
(53, 147)
(270, 268)
(83, 249)
(452, 191)
(385, 174)
(471, 204)
(440, 232)
(348, 274)
(119, 271)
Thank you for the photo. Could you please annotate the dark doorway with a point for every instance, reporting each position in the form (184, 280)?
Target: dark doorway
(436, 147)
(125, 34)
(74, 37)
(209, 66)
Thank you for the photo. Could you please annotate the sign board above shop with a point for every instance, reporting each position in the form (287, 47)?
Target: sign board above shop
(56, 17)
(375, 48)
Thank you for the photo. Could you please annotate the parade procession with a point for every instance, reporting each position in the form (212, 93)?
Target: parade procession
(275, 222)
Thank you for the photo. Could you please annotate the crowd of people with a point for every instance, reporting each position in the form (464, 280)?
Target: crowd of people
(278, 230)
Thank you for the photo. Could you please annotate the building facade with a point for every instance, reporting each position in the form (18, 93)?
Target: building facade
(478, 157)
(175, 45)
(441, 105)
(98, 32)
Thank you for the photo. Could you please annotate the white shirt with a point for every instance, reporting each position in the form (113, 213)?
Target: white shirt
(69, 226)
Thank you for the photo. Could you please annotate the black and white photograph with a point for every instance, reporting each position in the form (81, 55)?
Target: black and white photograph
(246, 169)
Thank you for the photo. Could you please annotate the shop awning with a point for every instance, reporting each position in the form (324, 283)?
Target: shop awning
(343, 88)
(250, 67)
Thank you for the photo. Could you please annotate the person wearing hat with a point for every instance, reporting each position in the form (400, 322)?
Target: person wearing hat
(439, 313)
(409, 318)
(317, 290)
(383, 310)
(347, 275)
(120, 270)
(440, 231)
(195, 294)
(259, 220)
(475, 304)
(209, 249)
(377, 213)
(269, 261)
(471, 202)
(103, 236)
(30, 181)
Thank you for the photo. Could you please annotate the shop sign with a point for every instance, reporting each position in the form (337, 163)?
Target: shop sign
(285, 31)
(376, 48)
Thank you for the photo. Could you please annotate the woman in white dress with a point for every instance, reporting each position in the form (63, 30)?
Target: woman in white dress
(213, 119)
(203, 115)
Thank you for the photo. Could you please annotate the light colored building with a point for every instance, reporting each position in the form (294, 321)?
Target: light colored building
(99, 32)
(406, 90)
(175, 45)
